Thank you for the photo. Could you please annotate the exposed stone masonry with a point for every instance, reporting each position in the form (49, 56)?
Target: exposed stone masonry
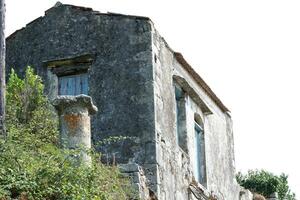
(140, 182)
(131, 77)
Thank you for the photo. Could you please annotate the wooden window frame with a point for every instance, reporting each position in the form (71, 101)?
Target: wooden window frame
(71, 66)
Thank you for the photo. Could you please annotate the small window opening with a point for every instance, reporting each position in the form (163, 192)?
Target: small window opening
(199, 160)
(72, 74)
(181, 118)
(73, 84)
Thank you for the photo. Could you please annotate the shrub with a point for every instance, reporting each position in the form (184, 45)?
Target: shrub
(31, 164)
(266, 183)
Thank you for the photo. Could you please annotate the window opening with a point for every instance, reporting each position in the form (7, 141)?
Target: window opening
(180, 118)
(199, 160)
(73, 84)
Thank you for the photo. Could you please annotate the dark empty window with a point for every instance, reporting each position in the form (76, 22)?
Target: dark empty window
(73, 84)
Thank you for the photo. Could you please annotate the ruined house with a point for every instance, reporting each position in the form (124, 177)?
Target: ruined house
(157, 119)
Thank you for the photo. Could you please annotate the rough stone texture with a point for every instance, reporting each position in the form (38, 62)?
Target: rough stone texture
(120, 76)
(140, 182)
(131, 79)
(273, 196)
(175, 165)
(2, 67)
(246, 194)
(258, 197)
(74, 121)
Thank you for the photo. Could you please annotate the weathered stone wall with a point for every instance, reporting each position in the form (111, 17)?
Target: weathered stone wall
(131, 81)
(174, 165)
(246, 195)
(173, 171)
(120, 76)
(139, 180)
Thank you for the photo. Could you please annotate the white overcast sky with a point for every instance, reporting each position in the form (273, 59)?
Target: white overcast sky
(248, 51)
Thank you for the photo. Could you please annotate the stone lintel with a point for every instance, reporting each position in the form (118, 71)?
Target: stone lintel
(192, 93)
(83, 59)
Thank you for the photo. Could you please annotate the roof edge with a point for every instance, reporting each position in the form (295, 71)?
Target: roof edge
(179, 57)
(80, 8)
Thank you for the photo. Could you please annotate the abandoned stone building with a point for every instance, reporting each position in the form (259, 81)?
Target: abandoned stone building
(157, 117)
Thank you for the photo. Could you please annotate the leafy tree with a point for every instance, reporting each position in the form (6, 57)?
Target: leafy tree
(266, 183)
(31, 164)
(28, 109)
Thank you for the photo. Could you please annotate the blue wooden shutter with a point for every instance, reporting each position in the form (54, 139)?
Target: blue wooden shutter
(73, 85)
(197, 155)
(199, 159)
(84, 82)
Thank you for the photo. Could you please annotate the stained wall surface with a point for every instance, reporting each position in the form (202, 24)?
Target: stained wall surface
(175, 162)
(132, 75)
(120, 75)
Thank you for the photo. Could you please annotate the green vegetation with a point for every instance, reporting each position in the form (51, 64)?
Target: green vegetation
(31, 164)
(266, 183)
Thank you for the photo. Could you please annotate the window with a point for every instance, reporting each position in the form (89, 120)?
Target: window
(180, 118)
(73, 84)
(199, 160)
(70, 74)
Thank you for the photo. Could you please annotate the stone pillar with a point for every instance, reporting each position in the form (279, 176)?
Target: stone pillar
(74, 121)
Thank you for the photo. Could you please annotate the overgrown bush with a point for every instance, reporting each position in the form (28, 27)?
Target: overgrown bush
(266, 183)
(31, 164)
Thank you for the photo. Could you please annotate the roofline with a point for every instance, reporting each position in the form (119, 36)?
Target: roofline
(81, 8)
(88, 9)
(179, 57)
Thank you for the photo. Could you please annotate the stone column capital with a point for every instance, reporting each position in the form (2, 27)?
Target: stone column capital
(66, 101)
(74, 122)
